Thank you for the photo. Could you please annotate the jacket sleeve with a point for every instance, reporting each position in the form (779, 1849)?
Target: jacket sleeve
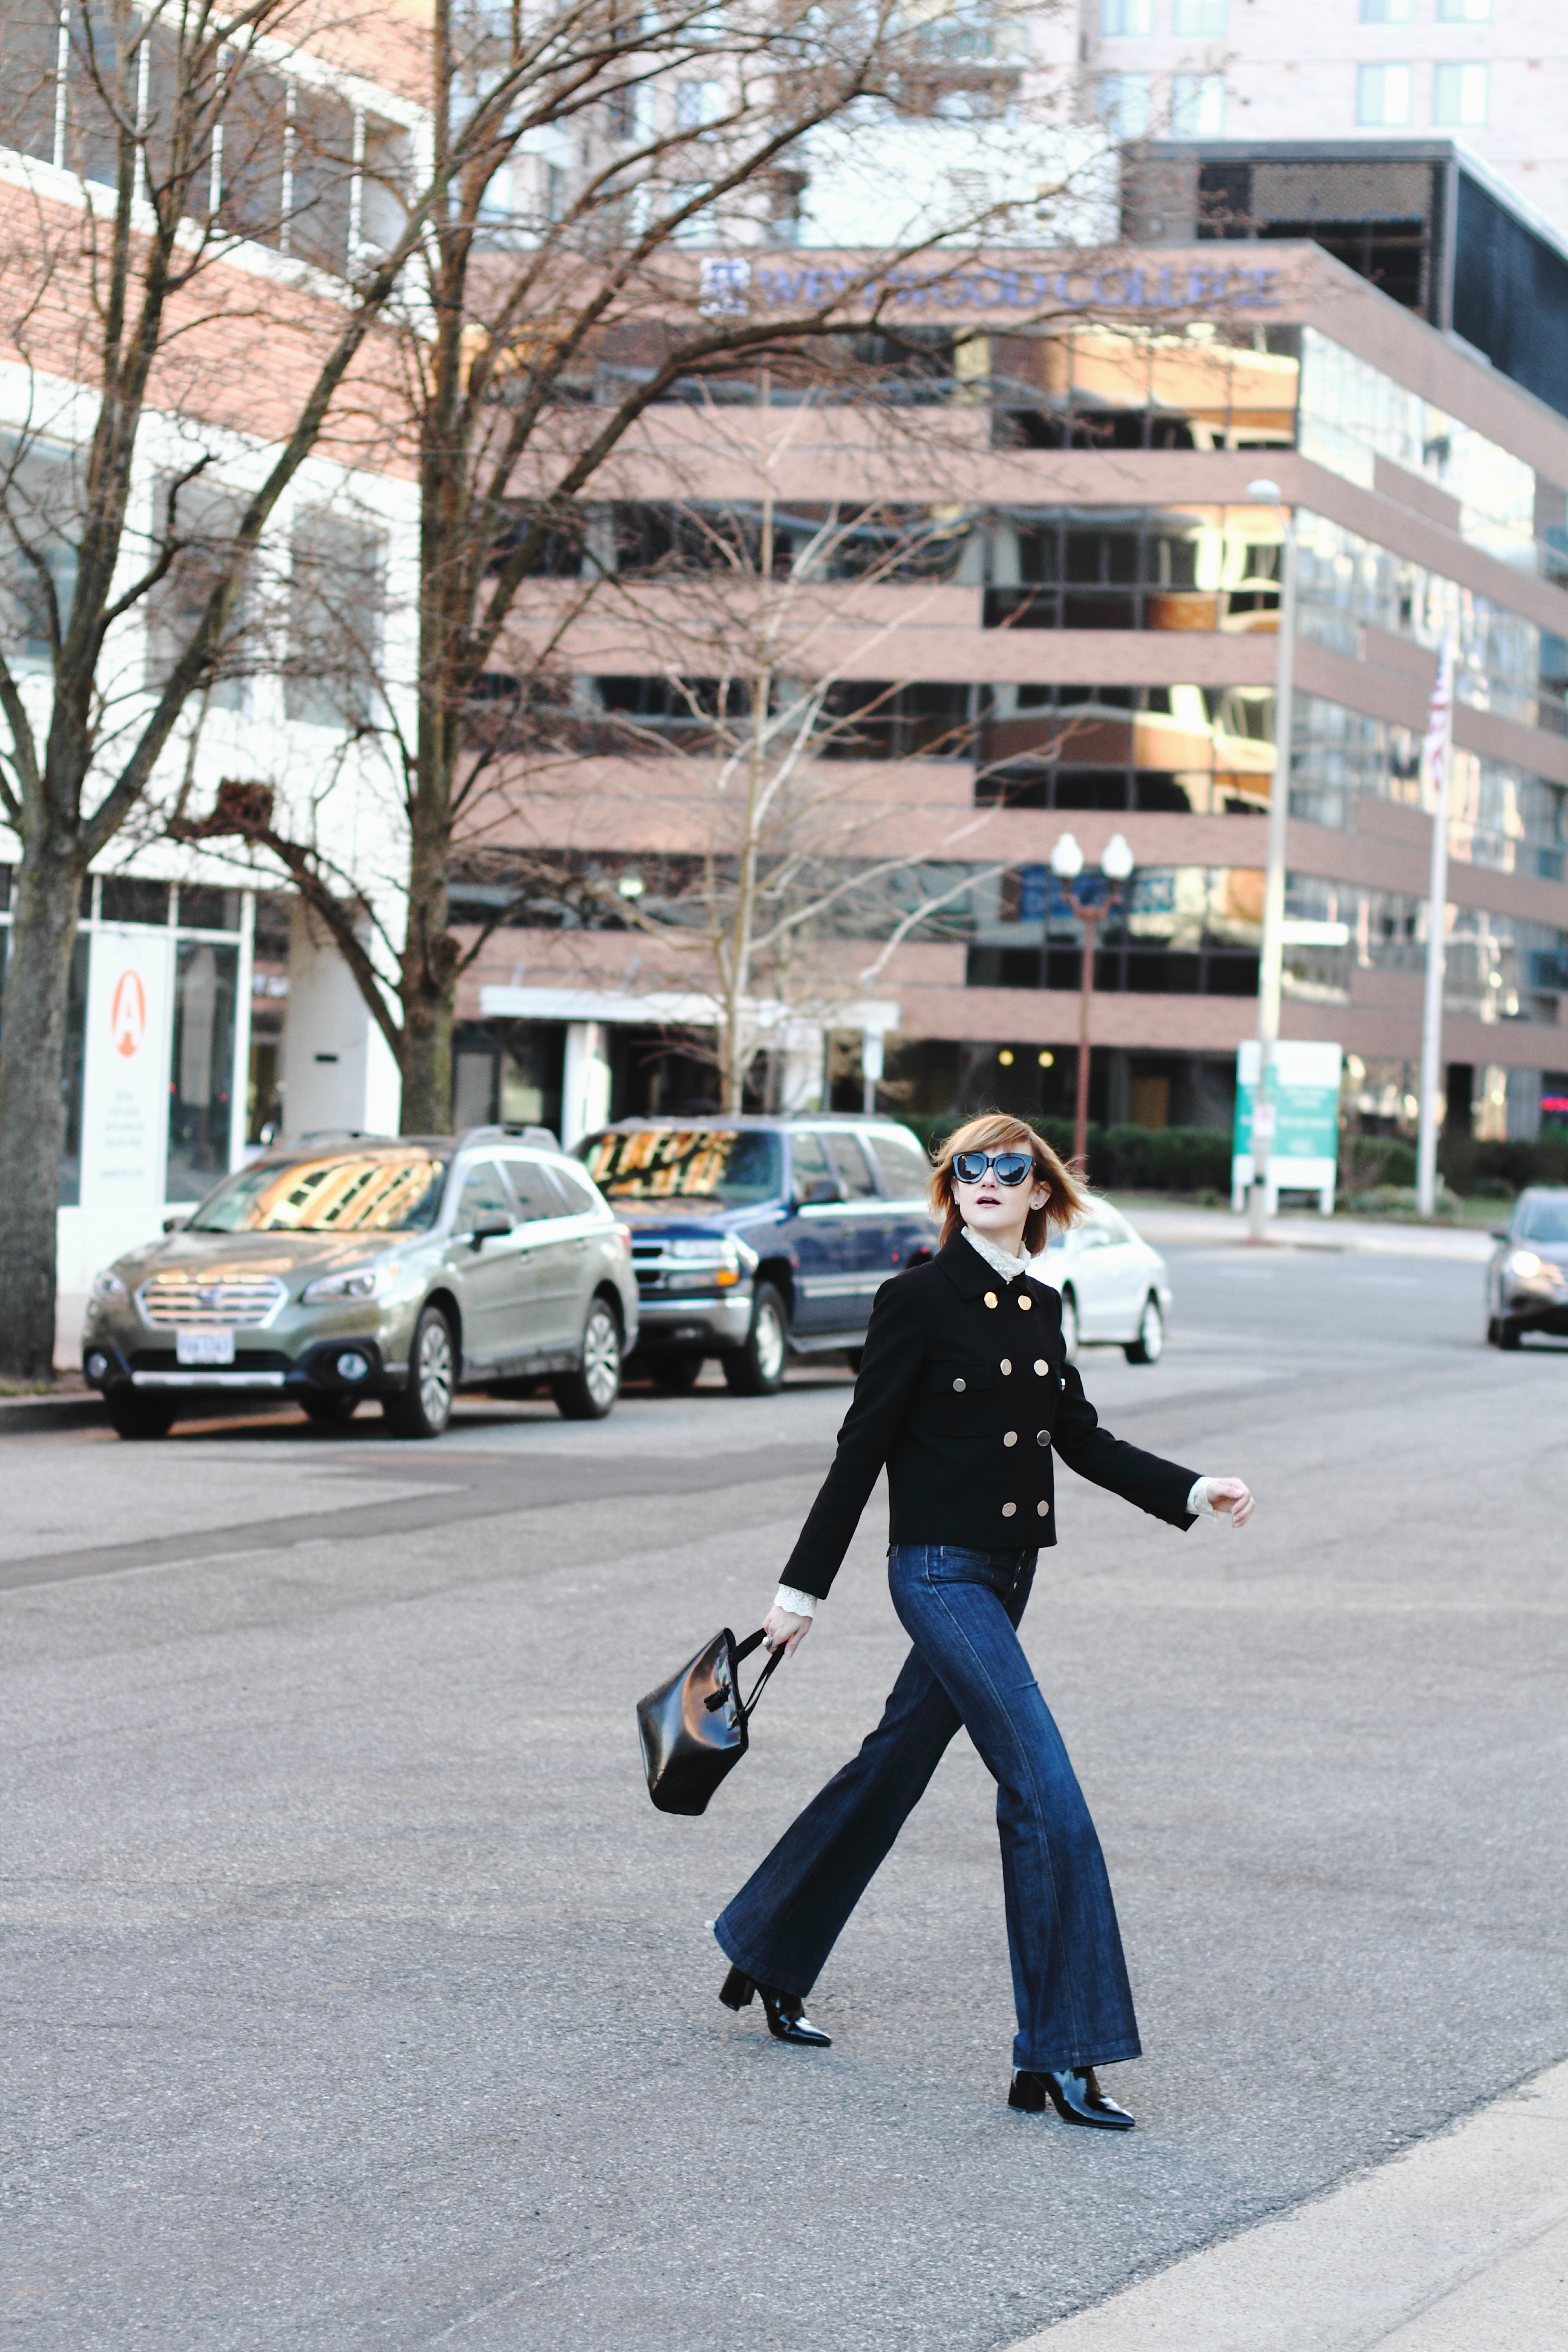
(1156, 1485)
(889, 1372)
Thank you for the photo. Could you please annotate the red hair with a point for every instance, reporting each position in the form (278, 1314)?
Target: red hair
(1001, 1132)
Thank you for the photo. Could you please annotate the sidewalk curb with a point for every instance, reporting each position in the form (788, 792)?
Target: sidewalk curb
(27, 1416)
(1425, 2253)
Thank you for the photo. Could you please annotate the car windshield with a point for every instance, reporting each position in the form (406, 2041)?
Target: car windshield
(1544, 1219)
(338, 1192)
(688, 1163)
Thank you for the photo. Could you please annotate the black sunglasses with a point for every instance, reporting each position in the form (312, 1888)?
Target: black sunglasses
(1011, 1167)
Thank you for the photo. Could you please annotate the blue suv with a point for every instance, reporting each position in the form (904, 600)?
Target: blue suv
(753, 1238)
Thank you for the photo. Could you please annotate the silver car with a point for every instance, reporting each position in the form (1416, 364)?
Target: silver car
(1527, 1280)
(404, 1268)
(1115, 1289)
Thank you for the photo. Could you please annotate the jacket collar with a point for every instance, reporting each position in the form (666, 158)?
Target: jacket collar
(966, 1269)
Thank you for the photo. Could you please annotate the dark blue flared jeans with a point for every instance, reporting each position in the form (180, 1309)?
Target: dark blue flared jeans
(961, 1610)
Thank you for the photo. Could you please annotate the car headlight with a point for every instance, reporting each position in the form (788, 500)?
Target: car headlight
(366, 1282)
(108, 1286)
(720, 1259)
(1526, 1264)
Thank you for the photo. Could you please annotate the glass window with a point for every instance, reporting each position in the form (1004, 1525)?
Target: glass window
(1464, 12)
(902, 1166)
(1542, 1217)
(391, 1192)
(1199, 19)
(731, 1165)
(848, 1163)
(201, 1075)
(1126, 19)
(42, 510)
(534, 1196)
(1197, 106)
(1382, 95)
(335, 601)
(206, 522)
(1459, 95)
(577, 1192)
(484, 1196)
(808, 1163)
(1385, 12)
(1124, 104)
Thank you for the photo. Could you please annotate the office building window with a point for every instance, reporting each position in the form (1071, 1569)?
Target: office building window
(1464, 12)
(1126, 19)
(698, 104)
(1459, 95)
(1197, 106)
(1383, 96)
(1124, 104)
(1200, 19)
(1385, 12)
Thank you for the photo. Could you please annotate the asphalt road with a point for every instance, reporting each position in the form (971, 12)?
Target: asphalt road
(356, 1996)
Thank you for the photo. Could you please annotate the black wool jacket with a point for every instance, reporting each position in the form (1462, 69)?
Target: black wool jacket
(966, 1394)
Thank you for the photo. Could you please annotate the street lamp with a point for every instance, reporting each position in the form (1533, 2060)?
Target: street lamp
(1270, 956)
(1067, 865)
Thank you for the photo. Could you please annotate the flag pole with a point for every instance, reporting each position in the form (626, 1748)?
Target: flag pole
(1440, 749)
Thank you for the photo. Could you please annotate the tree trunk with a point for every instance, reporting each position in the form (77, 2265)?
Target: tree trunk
(32, 1104)
(430, 954)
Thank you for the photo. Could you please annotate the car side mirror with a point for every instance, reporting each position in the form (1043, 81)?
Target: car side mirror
(818, 1193)
(491, 1229)
(177, 1224)
(1499, 1233)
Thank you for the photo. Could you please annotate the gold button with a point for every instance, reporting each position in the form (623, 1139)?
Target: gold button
(1006, 1363)
(1042, 1437)
(1008, 1509)
(958, 1384)
(991, 1299)
(1011, 1438)
(1024, 1301)
(1041, 1366)
(1044, 1509)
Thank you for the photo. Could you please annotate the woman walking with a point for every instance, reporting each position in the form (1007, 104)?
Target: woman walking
(966, 1396)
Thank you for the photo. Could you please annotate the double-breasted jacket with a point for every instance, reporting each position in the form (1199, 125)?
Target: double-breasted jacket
(964, 1394)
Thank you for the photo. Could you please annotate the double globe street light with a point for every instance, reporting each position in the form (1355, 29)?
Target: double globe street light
(1116, 866)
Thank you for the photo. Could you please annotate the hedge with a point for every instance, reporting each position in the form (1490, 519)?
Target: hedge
(1124, 1158)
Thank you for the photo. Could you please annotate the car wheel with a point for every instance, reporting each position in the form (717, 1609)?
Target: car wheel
(132, 1416)
(1069, 1327)
(425, 1407)
(1150, 1345)
(331, 1412)
(758, 1368)
(1509, 1335)
(678, 1369)
(590, 1392)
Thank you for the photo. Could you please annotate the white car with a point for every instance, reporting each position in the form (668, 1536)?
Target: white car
(1114, 1287)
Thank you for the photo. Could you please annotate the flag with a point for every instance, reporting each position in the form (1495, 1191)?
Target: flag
(1439, 718)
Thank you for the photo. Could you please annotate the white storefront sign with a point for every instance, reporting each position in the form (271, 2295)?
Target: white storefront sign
(125, 1109)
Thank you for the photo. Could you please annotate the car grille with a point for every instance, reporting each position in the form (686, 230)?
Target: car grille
(218, 1302)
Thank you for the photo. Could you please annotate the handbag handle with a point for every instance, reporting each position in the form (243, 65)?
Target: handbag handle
(775, 1658)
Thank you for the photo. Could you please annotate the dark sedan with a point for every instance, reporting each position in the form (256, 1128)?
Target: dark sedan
(1527, 1281)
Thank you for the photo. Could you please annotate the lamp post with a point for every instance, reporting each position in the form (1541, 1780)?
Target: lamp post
(1067, 865)
(1270, 957)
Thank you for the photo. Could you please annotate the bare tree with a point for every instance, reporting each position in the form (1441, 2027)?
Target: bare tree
(552, 321)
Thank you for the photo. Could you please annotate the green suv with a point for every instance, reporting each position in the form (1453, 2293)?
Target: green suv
(343, 1267)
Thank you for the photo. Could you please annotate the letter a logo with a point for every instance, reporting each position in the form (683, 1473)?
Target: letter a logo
(128, 1013)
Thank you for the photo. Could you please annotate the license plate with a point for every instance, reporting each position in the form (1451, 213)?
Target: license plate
(204, 1347)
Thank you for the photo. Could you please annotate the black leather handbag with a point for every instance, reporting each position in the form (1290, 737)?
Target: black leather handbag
(694, 1727)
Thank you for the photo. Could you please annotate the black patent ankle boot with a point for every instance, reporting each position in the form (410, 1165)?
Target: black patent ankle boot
(787, 2021)
(1073, 2091)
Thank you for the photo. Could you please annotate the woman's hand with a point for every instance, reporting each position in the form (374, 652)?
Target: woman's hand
(784, 1630)
(1230, 1497)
